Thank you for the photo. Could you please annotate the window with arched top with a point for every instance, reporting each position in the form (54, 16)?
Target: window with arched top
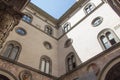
(27, 18)
(70, 61)
(66, 27)
(89, 7)
(48, 30)
(45, 64)
(107, 38)
(11, 50)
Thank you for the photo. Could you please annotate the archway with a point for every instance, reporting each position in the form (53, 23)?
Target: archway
(6, 75)
(114, 73)
(111, 71)
(2, 77)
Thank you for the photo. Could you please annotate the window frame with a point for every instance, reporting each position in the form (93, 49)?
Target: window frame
(28, 16)
(73, 61)
(14, 44)
(19, 32)
(46, 59)
(48, 30)
(93, 23)
(87, 6)
(68, 43)
(66, 27)
(103, 33)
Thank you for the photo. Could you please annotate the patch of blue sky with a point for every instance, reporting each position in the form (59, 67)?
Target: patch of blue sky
(55, 8)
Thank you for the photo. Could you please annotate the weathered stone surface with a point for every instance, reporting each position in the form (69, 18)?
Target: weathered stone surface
(88, 76)
(9, 18)
(23, 73)
(17, 4)
(102, 60)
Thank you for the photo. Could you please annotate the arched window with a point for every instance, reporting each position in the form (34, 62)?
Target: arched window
(11, 50)
(48, 30)
(70, 61)
(66, 27)
(27, 18)
(89, 7)
(107, 38)
(45, 64)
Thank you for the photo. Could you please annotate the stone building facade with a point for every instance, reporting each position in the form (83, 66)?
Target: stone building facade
(84, 44)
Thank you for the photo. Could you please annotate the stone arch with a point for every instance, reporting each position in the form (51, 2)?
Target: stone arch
(111, 71)
(114, 72)
(4, 77)
(7, 75)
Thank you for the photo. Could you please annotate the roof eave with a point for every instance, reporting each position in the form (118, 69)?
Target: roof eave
(78, 4)
(42, 13)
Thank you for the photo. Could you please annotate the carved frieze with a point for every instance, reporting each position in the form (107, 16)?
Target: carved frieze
(17, 4)
(22, 72)
(25, 75)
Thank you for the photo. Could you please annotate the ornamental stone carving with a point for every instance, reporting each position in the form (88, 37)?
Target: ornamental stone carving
(10, 16)
(25, 75)
(17, 4)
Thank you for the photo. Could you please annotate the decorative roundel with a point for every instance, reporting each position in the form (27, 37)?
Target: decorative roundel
(47, 45)
(94, 68)
(25, 75)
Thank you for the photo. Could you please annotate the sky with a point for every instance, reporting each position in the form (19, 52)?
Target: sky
(55, 8)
